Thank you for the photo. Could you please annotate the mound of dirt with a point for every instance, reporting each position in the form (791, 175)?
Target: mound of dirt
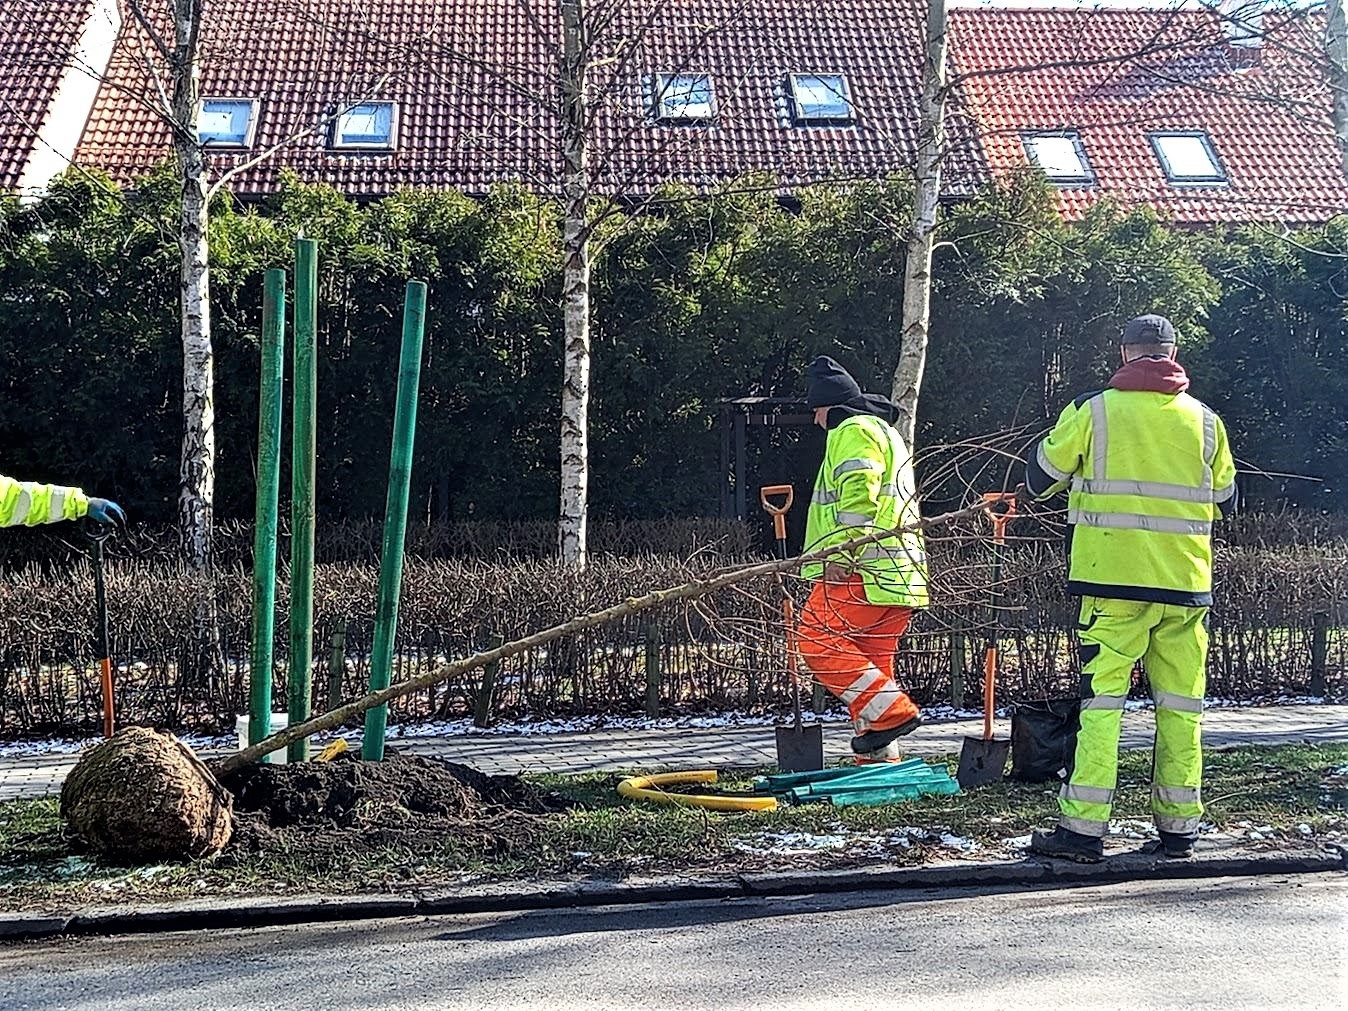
(142, 796)
(405, 799)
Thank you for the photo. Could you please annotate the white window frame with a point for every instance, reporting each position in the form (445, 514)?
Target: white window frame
(801, 117)
(1086, 177)
(249, 132)
(667, 113)
(1217, 177)
(335, 136)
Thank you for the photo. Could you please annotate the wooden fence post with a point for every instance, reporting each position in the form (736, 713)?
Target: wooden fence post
(482, 707)
(652, 670)
(337, 663)
(1319, 653)
(957, 662)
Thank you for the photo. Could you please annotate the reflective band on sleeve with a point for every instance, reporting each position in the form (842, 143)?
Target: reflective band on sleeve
(1104, 702)
(1146, 489)
(890, 490)
(850, 519)
(57, 510)
(21, 506)
(1176, 794)
(1046, 465)
(878, 553)
(1177, 703)
(1136, 521)
(1088, 794)
(1099, 436)
(1221, 495)
(1085, 826)
(824, 496)
(1178, 825)
(857, 463)
(1209, 441)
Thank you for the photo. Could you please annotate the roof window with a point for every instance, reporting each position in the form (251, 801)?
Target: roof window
(227, 122)
(684, 97)
(1060, 156)
(366, 126)
(1187, 156)
(821, 98)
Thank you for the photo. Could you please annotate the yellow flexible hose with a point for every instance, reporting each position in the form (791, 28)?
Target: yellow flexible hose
(648, 788)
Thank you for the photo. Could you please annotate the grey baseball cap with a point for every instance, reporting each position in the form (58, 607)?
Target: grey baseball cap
(1149, 329)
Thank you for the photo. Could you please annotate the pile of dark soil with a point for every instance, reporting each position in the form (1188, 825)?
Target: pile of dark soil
(409, 801)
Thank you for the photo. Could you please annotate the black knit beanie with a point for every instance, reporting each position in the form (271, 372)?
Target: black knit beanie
(828, 384)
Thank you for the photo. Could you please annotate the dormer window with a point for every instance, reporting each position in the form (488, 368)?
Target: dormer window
(227, 122)
(821, 99)
(1188, 157)
(1060, 155)
(366, 126)
(683, 98)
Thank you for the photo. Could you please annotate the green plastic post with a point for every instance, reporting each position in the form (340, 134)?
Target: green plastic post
(395, 515)
(302, 491)
(268, 490)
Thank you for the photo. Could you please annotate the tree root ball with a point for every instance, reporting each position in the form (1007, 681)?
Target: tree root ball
(143, 797)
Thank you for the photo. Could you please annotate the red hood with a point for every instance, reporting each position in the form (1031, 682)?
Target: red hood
(1151, 375)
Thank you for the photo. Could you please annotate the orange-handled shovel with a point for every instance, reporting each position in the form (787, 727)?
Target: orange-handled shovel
(983, 759)
(799, 748)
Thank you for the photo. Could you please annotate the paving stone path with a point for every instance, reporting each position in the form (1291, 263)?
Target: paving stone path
(677, 748)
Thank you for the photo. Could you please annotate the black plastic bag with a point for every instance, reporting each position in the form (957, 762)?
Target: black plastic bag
(1044, 739)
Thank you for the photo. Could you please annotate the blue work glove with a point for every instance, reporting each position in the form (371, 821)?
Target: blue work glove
(106, 511)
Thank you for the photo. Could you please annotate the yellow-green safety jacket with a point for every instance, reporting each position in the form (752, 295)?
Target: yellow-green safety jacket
(1147, 473)
(27, 503)
(866, 484)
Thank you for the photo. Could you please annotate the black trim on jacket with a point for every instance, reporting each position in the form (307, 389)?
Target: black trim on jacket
(1144, 594)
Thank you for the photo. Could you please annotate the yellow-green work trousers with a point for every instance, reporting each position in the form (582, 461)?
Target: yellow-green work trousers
(1172, 643)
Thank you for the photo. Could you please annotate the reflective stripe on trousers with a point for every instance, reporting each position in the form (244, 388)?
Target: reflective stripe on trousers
(1171, 642)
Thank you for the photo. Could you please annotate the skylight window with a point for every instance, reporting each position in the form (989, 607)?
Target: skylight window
(1060, 156)
(227, 122)
(684, 97)
(821, 98)
(1188, 157)
(367, 126)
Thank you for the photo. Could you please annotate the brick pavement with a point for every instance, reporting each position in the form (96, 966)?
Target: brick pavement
(37, 776)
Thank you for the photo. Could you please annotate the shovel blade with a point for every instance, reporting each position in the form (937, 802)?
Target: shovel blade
(982, 761)
(800, 749)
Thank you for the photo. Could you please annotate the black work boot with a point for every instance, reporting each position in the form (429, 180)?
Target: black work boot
(878, 740)
(1171, 844)
(1068, 845)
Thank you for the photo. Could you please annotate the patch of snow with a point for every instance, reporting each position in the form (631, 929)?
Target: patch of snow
(1305, 829)
(1132, 828)
(958, 842)
(1020, 842)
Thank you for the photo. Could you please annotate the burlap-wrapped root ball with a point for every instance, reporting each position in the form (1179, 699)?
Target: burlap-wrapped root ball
(142, 796)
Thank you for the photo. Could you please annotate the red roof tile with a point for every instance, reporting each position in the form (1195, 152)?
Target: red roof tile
(36, 39)
(478, 99)
(1115, 75)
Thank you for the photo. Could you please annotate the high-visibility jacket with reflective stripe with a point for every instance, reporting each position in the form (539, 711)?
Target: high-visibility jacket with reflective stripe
(27, 503)
(1147, 475)
(866, 484)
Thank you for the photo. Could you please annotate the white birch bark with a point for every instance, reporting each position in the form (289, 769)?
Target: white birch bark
(575, 461)
(1336, 48)
(196, 496)
(926, 196)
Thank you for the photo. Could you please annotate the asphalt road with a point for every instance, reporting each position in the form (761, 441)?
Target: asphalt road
(1259, 943)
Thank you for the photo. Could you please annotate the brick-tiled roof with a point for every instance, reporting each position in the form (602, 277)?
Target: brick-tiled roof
(36, 40)
(1115, 75)
(478, 99)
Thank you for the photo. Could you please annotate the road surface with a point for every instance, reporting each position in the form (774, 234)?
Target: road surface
(1257, 943)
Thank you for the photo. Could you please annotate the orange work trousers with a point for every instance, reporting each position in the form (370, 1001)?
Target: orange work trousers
(848, 644)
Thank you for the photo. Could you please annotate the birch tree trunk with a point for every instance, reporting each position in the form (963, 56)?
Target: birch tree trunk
(1336, 48)
(196, 496)
(575, 293)
(926, 196)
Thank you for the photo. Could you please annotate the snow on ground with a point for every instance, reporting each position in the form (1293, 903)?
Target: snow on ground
(590, 724)
(857, 843)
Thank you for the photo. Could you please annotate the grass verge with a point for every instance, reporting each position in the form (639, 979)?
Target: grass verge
(1274, 797)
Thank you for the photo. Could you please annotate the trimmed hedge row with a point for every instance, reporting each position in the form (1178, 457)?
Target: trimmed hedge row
(1278, 628)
